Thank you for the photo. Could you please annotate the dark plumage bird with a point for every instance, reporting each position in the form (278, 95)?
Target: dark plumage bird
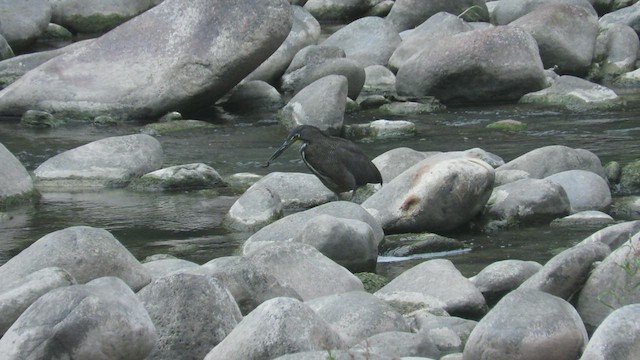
(338, 163)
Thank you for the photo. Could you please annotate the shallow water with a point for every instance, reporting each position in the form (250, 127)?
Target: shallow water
(187, 224)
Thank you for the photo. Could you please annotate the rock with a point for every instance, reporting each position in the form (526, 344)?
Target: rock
(305, 31)
(17, 297)
(566, 35)
(37, 118)
(112, 321)
(420, 198)
(369, 41)
(381, 129)
(404, 108)
(110, 162)
(564, 274)
(16, 185)
(496, 63)
(242, 181)
(5, 50)
(180, 177)
(249, 285)
(314, 55)
(56, 36)
(606, 342)
(407, 14)
(163, 267)
(439, 278)
(508, 176)
(258, 207)
(586, 190)
(336, 354)
(395, 161)
(372, 282)
(96, 16)
(357, 315)
(335, 10)
(350, 243)
(626, 208)
(537, 164)
(614, 235)
(297, 80)
(382, 8)
(85, 253)
(527, 201)
(528, 324)
(397, 344)
(379, 80)
(304, 269)
(254, 95)
(321, 104)
(278, 326)
(449, 333)
(613, 172)
(501, 277)
(620, 51)
(508, 11)
(630, 178)
(129, 73)
(173, 126)
(289, 227)
(411, 244)
(612, 285)
(584, 219)
(192, 314)
(24, 21)
(414, 305)
(508, 125)
(627, 15)
(574, 94)
(438, 26)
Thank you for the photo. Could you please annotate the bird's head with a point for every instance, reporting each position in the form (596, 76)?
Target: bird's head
(304, 133)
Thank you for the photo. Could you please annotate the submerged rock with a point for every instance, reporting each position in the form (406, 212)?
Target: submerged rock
(16, 185)
(179, 177)
(575, 94)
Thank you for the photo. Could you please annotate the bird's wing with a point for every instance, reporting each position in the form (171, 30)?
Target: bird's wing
(353, 158)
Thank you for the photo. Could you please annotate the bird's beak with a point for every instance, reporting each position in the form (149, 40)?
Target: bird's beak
(280, 150)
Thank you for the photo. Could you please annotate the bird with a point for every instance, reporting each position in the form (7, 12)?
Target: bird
(339, 163)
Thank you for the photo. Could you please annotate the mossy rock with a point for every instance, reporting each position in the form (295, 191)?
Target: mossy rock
(508, 125)
(630, 177)
(372, 282)
(163, 128)
(412, 244)
(410, 108)
(19, 199)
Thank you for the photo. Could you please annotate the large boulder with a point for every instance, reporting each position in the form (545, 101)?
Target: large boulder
(614, 235)
(507, 11)
(407, 14)
(15, 182)
(585, 189)
(101, 320)
(300, 78)
(492, 64)
(607, 342)
(96, 16)
(501, 277)
(109, 162)
(420, 198)
(536, 162)
(395, 161)
(156, 62)
(21, 22)
(629, 15)
(85, 253)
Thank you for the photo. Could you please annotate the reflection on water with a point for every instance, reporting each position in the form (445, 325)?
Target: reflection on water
(188, 224)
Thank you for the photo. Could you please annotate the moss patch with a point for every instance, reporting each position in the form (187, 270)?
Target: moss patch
(372, 282)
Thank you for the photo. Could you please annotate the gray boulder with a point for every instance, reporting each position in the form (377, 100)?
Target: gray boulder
(15, 182)
(357, 315)
(100, 320)
(528, 324)
(566, 35)
(256, 208)
(379, 80)
(491, 64)
(369, 41)
(564, 274)
(420, 198)
(85, 253)
(536, 162)
(304, 269)
(21, 22)
(254, 96)
(395, 161)
(626, 208)
(612, 285)
(277, 327)
(336, 354)
(617, 337)
(321, 104)
(585, 189)
(162, 267)
(5, 52)
(96, 16)
(440, 279)
(335, 10)
(575, 94)
(620, 44)
(298, 79)
(505, 12)
(173, 63)
(305, 31)
(614, 235)
(179, 177)
(584, 219)
(17, 297)
(629, 15)
(449, 333)
(314, 54)
(399, 344)
(110, 162)
(407, 14)
(630, 177)
(192, 314)
(501, 277)
(508, 176)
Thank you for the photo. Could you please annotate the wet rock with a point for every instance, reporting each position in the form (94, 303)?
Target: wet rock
(508, 125)
(110, 162)
(528, 324)
(379, 80)
(304, 269)
(395, 161)
(173, 126)
(258, 207)
(508, 11)
(564, 274)
(411, 244)
(537, 164)
(336, 354)
(627, 15)
(16, 185)
(626, 208)
(162, 267)
(17, 297)
(402, 108)
(449, 333)
(129, 73)
(420, 200)
(357, 315)
(399, 344)
(249, 285)
(369, 40)
(112, 321)
(335, 10)
(297, 80)
(313, 55)
(40, 119)
(630, 177)
(607, 342)
(621, 44)
(305, 31)
(381, 129)
(614, 235)
(254, 95)
(296, 190)
(496, 63)
(277, 327)
(508, 176)
(574, 94)
(413, 305)
(24, 21)
(407, 14)
(86, 253)
(439, 278)
(613, 172)
(183, 330)
(584, 219)
(501, 277)
(321, 104)
(180, 177)
(96, 16)
(612, 285)
(586, 190)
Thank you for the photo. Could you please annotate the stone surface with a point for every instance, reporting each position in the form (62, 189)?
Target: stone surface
(617, 337)
(15, 182)
(96, 16)
(407, 14)
(536, 162)
(586, 190)
(574, 94)
(501, 277)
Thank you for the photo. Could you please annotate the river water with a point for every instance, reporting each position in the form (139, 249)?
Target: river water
(187, 224)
